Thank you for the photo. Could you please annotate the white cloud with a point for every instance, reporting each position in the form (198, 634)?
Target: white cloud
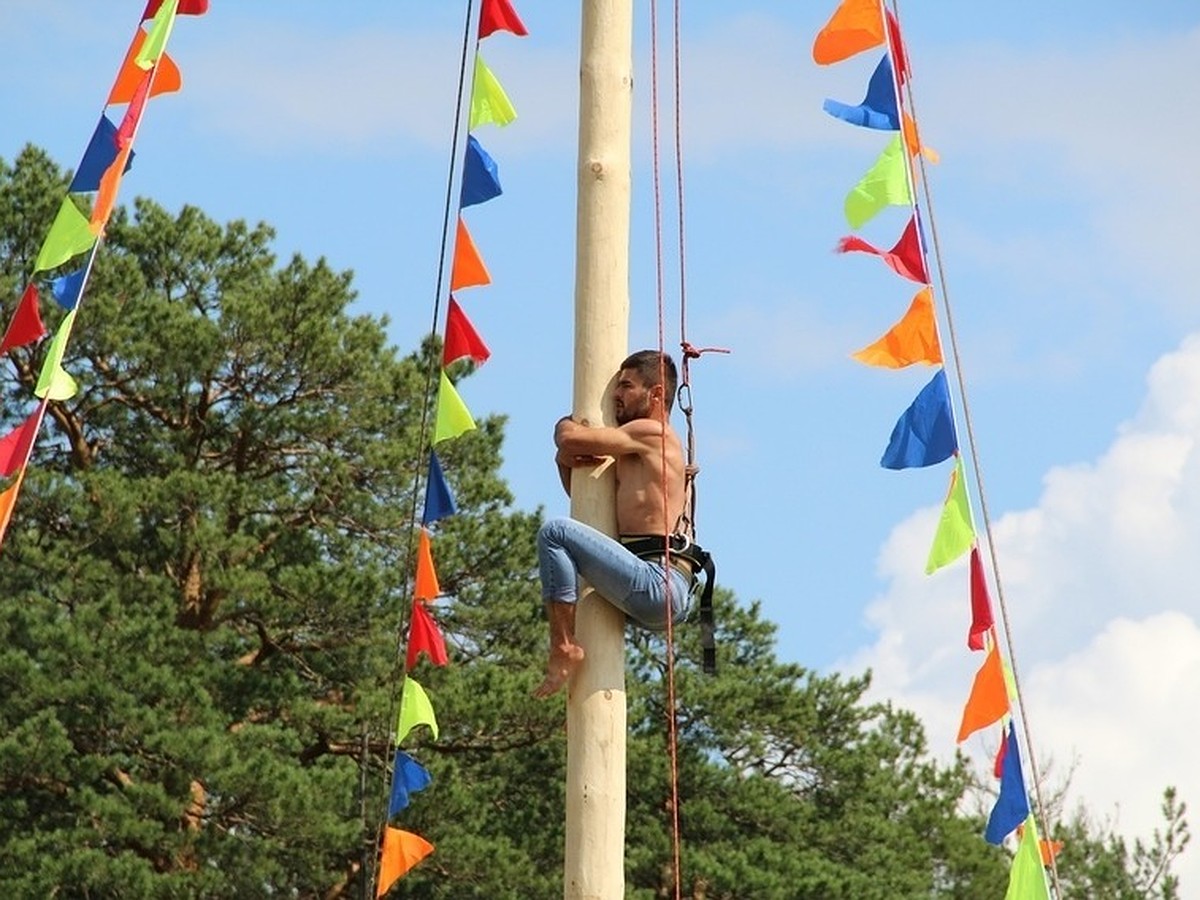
(1099, 581)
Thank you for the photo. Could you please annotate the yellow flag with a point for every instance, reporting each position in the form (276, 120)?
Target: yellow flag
(955, 532)
(453, 417)
(53, 382)
(913, 339)
(68, 236)
(885, 184)
(1027, 876)
(160, 30)
(415, 709)
(489, 103)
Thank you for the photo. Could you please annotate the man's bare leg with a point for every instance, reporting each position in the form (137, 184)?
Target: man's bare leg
(565, 655)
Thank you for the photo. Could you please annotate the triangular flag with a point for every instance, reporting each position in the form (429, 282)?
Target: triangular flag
(69, 236)
(439, 502)
(424, 637)
(498, 15)
(53, 382)
(156, 40)
(1027, 876)
(106, 197)
(100, 153)
(426, 581)
(1050, 849)
(924, 434)
(913, 339)
(489, 103)
(186, 8)
(955, 532)
(481, 176)
(66, 288)
(1012, 806)
(896, 47)
(913, 142)
(988, 702)
(885, 184)
(998, 765)
(856, 25)
(453, 417)
(408, 777)
(14, 446)
(401, 851)
(981, 604)
(167, 79)
(8, 500)
(878, 109)
(415, 709)
(467, 269)
(26, 325)
(461, 338)
(133, 112)
(904, 259)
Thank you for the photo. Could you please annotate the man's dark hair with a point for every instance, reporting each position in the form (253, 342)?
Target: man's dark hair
(654, 368)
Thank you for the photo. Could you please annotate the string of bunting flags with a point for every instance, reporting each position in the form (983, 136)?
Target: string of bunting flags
(927, 432)
(68, 252)
(400, 850)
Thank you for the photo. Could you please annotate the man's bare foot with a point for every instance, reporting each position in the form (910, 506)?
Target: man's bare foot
(560, 667)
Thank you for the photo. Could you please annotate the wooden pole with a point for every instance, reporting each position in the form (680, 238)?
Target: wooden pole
(595, 823)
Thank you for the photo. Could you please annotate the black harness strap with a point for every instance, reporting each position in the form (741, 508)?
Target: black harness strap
(653, 547)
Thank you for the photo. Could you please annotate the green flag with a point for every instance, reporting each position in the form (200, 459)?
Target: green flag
(415, 709)
(489, 103)
(54, 383)
(885, 184)
(160, 30)
(453, 417)
(68, 236)
(955, 533)
(1027, 877)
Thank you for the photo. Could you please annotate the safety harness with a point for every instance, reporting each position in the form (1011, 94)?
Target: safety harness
(679, 546)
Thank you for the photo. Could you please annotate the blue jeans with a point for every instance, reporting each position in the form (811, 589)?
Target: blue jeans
(569, 550)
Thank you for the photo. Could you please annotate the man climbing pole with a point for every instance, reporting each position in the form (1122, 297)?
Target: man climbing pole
(632, 572)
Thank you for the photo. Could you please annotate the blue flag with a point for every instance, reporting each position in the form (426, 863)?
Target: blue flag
(66, 288)
(481, 178)
(924, 435)
(408, 777)
(878, 110)
(1012, 806)
(439, 503)
(101, 152)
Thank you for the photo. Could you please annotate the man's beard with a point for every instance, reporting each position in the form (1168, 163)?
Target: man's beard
(629, 413)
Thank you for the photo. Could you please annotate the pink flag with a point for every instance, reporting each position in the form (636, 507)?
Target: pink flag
(26, 326)
(133, 114)
(14, 446)
(461, 338)
(904, 259)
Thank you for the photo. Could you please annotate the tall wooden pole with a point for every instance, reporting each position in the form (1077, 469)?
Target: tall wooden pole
(595, 825)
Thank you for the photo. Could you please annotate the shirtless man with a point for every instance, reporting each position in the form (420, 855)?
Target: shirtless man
(642, 443)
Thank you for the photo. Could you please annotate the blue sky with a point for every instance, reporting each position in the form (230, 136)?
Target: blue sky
(1064, 204)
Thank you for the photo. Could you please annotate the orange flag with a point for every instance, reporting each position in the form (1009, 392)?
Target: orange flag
(855, 26)
(468, 269)
(7, 501)
(401, 851)
(427, 582)
(106, 197)
(913, 339)
(988, 702)
(167, 79)
(913, 141)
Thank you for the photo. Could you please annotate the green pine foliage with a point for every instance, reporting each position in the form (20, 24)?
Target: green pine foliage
(205, 589)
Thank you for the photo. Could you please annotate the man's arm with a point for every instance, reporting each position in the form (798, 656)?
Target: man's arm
(576, 439)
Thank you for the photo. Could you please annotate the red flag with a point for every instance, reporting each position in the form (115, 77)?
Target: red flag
(998, 768)
(981, 604)
(896, 46)
(186, 8)
(133, 114)
(498, 15)
(904, 259)
(461, 338)
(424, 637)
(26, 326)
(14, 446)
